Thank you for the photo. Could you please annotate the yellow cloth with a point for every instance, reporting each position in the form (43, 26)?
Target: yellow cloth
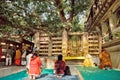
(88, 61)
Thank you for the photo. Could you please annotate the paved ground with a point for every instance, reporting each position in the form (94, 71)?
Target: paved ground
(7, 70)
(74, 71)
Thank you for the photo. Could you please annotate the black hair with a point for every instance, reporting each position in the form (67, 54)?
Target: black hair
(103, 49)
(67, 71)
(60, 57)
(35, 54)
(9, 47)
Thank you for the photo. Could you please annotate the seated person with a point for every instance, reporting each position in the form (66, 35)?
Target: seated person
(88, 61)
(59, 66)
(67, 71)
(105, 61)
(68, 52)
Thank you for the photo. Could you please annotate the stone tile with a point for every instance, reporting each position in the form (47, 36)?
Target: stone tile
(7, 70)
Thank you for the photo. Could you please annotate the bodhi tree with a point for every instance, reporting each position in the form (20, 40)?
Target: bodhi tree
(51, 16)
(69, 11)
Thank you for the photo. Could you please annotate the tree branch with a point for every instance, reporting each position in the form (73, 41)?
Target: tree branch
(72, 12)
(61, 11)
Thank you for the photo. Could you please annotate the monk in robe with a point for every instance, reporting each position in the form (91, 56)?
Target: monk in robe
(105, 61)
(18, 57)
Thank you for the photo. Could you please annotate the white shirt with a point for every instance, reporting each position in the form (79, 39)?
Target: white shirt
(28, 57)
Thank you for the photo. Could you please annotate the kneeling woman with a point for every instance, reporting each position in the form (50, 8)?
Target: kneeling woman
(59, 66)
(35, 66)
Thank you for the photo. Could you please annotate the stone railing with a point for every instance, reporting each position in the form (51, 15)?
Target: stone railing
(112, 43)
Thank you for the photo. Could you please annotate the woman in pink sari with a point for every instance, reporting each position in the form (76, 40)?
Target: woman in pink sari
(35, 66)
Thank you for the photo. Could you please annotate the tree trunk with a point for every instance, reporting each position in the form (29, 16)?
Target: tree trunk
(64, 20)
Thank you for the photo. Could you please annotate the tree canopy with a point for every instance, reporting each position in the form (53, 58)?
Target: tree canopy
(25, 17)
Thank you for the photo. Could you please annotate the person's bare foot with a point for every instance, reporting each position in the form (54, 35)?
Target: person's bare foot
(30, 77)
(34, 78)
(59, 76)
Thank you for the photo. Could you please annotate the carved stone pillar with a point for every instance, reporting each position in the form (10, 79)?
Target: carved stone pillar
(110, 27)
(64, 41)
(112, 21)
(85, 42)
(50, 47)
(36, 40)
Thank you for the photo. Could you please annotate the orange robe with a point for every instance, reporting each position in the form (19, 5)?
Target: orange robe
(18, 57)
(35, 66)
(105, 60)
